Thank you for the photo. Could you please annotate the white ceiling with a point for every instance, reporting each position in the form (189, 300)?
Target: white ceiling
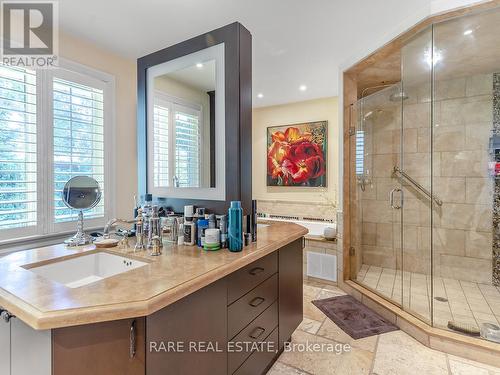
(201, 78)
(295, 42)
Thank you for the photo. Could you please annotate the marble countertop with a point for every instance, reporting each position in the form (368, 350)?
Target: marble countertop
(178, 272)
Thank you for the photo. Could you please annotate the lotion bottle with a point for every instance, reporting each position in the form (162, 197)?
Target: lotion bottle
(235, 227)
(189, 226)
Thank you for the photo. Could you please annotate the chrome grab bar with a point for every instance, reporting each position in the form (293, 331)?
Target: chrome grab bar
(397, 170)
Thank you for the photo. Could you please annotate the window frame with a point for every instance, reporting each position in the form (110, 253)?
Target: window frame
(46, 226)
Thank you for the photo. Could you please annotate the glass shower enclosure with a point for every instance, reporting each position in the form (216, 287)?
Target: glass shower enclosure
(425, 177)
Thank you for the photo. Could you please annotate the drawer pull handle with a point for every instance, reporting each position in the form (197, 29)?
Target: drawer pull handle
(256, 333)
(132, 340)
(256, 301)
(256, 271)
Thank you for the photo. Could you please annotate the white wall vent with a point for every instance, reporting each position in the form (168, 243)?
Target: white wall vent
(322, 266)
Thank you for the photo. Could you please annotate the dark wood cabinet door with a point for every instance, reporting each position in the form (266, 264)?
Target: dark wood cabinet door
(200, 318)
(290, 289)
(261, 361)
(109, 348)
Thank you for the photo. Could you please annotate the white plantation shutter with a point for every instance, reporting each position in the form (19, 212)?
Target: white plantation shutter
(176, 142)
(18, 148)
(187, 146)
(161, 120)
(360, 152)
(78, 141)
(54, 124)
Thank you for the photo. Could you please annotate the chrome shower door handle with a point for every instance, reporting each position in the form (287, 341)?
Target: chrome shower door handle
(391, 198)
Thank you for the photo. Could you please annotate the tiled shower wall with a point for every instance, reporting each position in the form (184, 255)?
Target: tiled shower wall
(462, 238)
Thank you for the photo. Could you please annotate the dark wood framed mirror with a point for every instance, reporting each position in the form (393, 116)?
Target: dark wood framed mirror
(194, 121)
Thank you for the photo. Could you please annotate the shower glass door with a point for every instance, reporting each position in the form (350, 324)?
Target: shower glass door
(391, 184)
(466, 141)
(425, 177)
(414, 172)
(376, 194)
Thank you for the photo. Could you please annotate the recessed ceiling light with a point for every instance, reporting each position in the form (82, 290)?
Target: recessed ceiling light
(260, 95)
(468, 32)
(199, 65)
(303, 88)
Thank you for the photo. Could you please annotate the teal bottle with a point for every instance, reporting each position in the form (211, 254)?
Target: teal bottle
(235, 226)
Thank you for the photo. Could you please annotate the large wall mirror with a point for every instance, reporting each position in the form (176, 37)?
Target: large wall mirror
(186, 143)
(194, 121)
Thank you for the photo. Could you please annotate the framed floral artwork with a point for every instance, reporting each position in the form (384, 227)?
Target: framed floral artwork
(297, 154)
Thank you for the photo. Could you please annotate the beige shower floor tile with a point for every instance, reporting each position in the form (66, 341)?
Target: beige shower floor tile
(467, 302)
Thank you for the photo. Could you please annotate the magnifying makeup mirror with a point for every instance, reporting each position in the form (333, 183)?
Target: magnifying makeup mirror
(81, 193)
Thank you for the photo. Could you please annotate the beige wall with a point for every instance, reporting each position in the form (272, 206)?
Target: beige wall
(124, 72)
(312, 110)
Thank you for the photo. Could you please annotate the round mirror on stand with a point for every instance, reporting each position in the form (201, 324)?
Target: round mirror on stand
(81, 193)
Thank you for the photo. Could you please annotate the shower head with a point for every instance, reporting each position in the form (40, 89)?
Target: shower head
(398, 96)
(370, 114)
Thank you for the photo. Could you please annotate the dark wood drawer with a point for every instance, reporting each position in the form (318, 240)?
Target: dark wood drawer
(248, 307)
(244, 280)
(255, 332)
(260, 360)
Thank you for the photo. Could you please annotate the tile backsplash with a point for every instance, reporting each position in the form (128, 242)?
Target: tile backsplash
(300, 210)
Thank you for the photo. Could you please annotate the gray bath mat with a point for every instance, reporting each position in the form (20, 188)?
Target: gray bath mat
(353, 317)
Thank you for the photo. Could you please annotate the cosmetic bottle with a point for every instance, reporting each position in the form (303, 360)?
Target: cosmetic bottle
(223, 231)
(180, 238)
(212, 222)
(189, 226)
(247, 237)
(202, 226)
(254, 221)
(212, 239)
(199, 214)
(235, 226)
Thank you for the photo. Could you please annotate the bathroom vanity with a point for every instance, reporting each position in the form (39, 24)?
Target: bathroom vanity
(183, 312)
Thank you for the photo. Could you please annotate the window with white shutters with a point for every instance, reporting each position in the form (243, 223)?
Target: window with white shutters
(176, 142)
(160, 148)
(187, 146)
(360, 152)
(78, 141)
(54, 125)
(18, 148)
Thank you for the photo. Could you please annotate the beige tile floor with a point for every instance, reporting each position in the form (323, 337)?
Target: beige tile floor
(467, 302)
(390, 353)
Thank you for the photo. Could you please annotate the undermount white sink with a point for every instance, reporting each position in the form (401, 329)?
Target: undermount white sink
(86, 269)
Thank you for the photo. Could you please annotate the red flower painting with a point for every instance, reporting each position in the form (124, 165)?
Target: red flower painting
(296, 155)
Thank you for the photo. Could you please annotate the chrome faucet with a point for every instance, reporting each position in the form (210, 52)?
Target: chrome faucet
(112, 222)
(154, 229)
(139, 231)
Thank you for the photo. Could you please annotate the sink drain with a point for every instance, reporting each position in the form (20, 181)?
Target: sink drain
(441, 299)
